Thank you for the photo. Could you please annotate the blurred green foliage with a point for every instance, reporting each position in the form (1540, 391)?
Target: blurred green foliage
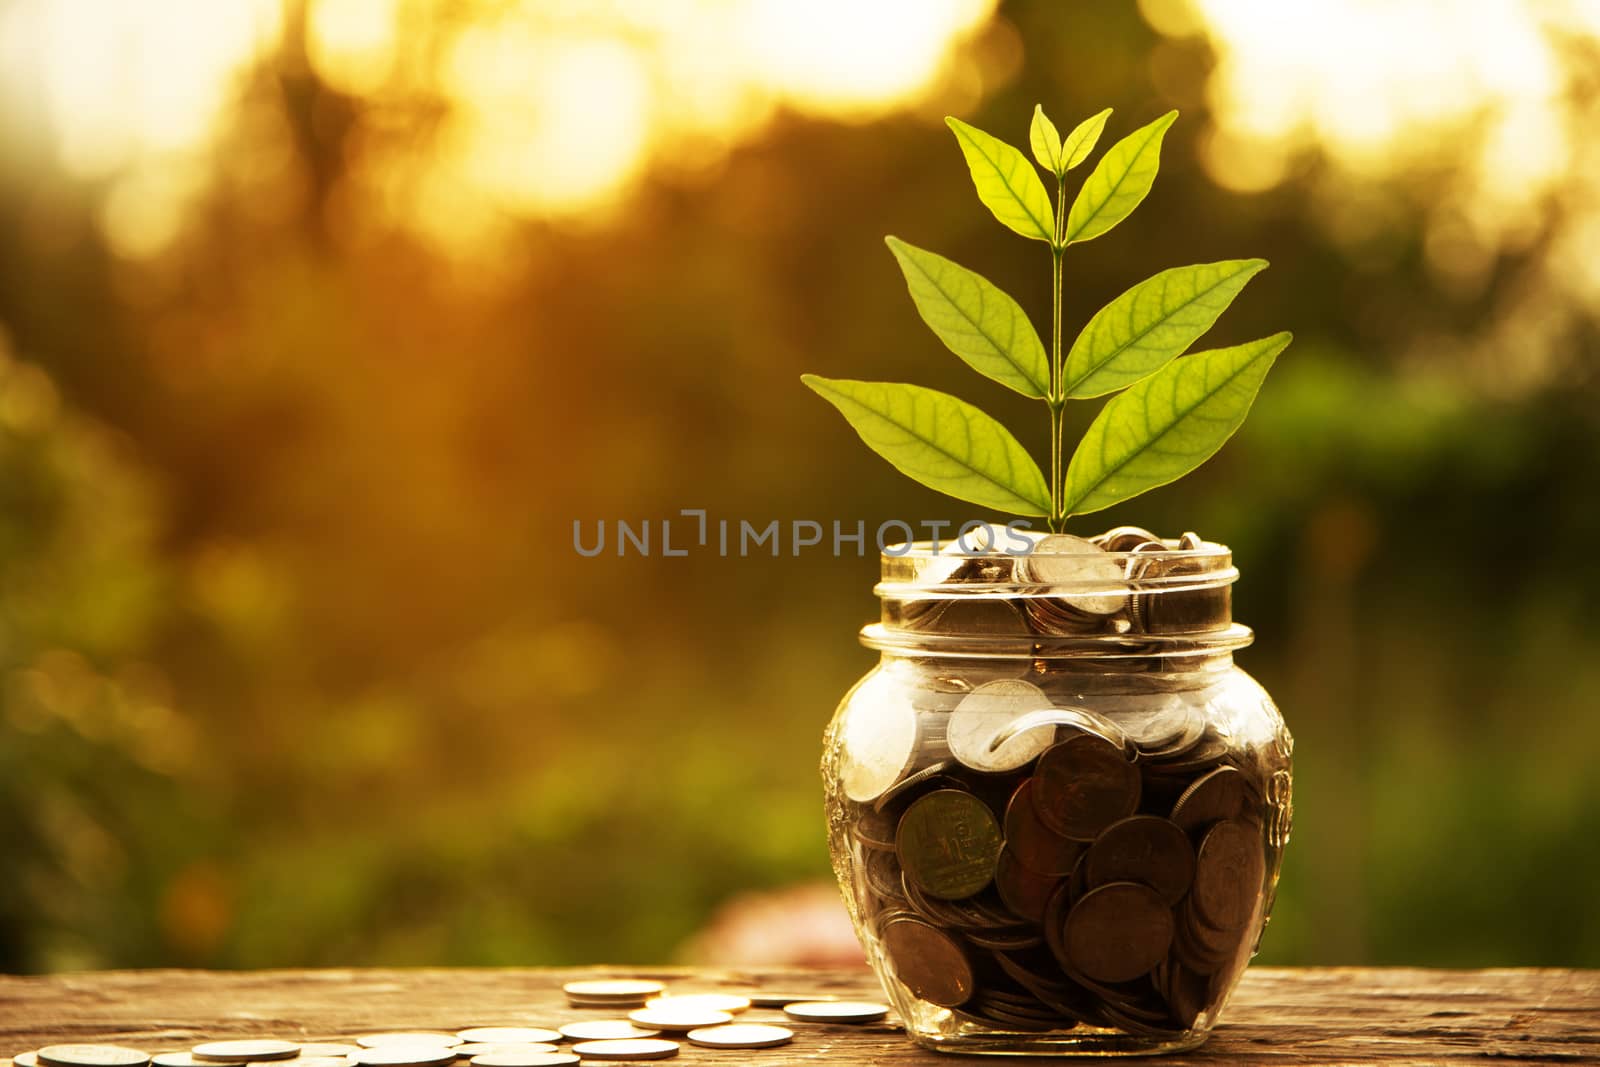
(299, 665)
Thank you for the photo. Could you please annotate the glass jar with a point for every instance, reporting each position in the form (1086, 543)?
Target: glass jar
(1056, 809)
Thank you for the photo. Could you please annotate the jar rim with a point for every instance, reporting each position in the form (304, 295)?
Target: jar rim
(886, 638)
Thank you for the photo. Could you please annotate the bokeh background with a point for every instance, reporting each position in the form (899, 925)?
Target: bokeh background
(323, 320)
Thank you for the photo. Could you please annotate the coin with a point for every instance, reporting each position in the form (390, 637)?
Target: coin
(321, 1061)
(473, 1049)
(929, 962)
(611, 992)
(837, 1011)
(742, 1035)
(546, 1056)
(948, 842)
(1219, 794)
(778, 1000)
(1086, 579)
(976, 724)
(172, 1059)
(879, 738)
(246, 1051)
(91, 1056)
(1024, 891)
(1191, 542)
(604, 1030)
(1146, 849)
(678, 1020)
(326, 1048)
(1031, 842)
(404, 1055)
(1117, 932)
(404, 1037)
(507, 1035)
(640, 1048)
(1229, 869)
(730, 1003)
(932, 776)
(25, 1059)
(1083, 785)
(875, 829)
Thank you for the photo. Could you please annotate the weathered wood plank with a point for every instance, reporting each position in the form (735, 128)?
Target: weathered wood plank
(1279, 1016)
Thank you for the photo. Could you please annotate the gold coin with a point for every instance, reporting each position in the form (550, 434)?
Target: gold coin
(742, 1035)
(837, 1011)
(643, 1048)
(727, 1002)
(679, 1019)
(245, 1051)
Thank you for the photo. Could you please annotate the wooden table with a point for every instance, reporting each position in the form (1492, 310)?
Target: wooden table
(1278, 1016)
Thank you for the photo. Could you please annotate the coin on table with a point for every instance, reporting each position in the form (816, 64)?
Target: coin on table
(978, 726)
(322, 1061)
(175, 1059)
(779, 1000)
(91, 1056)
(731, 1003)
(1146, 849)
(948, 843)
(404, 1055)
(549, 1057)
(1117, 932)
(613, 992)
(494, 1048)
(1083, 785)
(678, 1020)
(1229, 868)
(25, 1059)
(245, 1051)
(507, 1035)
(1216, 795)
(641, 1048)
(409, 1037)
(1035, 845)
(604, 1030)
(879, 739)
(837, 1011)
(929, 962)
(326, 1048)
(742, 1035)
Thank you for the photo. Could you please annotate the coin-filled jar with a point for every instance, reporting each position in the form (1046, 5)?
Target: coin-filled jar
(1056, 808)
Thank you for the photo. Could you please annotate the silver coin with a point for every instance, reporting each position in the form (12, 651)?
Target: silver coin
(604, 1030)
(837, 1011)
(879, 738)
(507, 1035)
(404, 1055)
(91, 1056)
(26, 1059)
(643, 1048)
(742, 1035)
(410, 1037)
(1191, 542)
(549, 1057)
(984, 715)
(249, 1050)
(679, 1019)
(1090, 579)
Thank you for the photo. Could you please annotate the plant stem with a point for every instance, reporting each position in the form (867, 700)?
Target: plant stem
(1057, 401)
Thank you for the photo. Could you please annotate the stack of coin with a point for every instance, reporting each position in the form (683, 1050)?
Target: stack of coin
(612, 992)
(1060, 867)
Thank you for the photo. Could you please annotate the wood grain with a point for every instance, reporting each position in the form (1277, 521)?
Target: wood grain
(1278, 1016)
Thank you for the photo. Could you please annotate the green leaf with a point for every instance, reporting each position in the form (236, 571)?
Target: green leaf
(940, 441)
(1142, 330)
(975, 319)
(1118, 182)
(1006, 182)
(1167, 425)
(1046, 142)
(1081, 141)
